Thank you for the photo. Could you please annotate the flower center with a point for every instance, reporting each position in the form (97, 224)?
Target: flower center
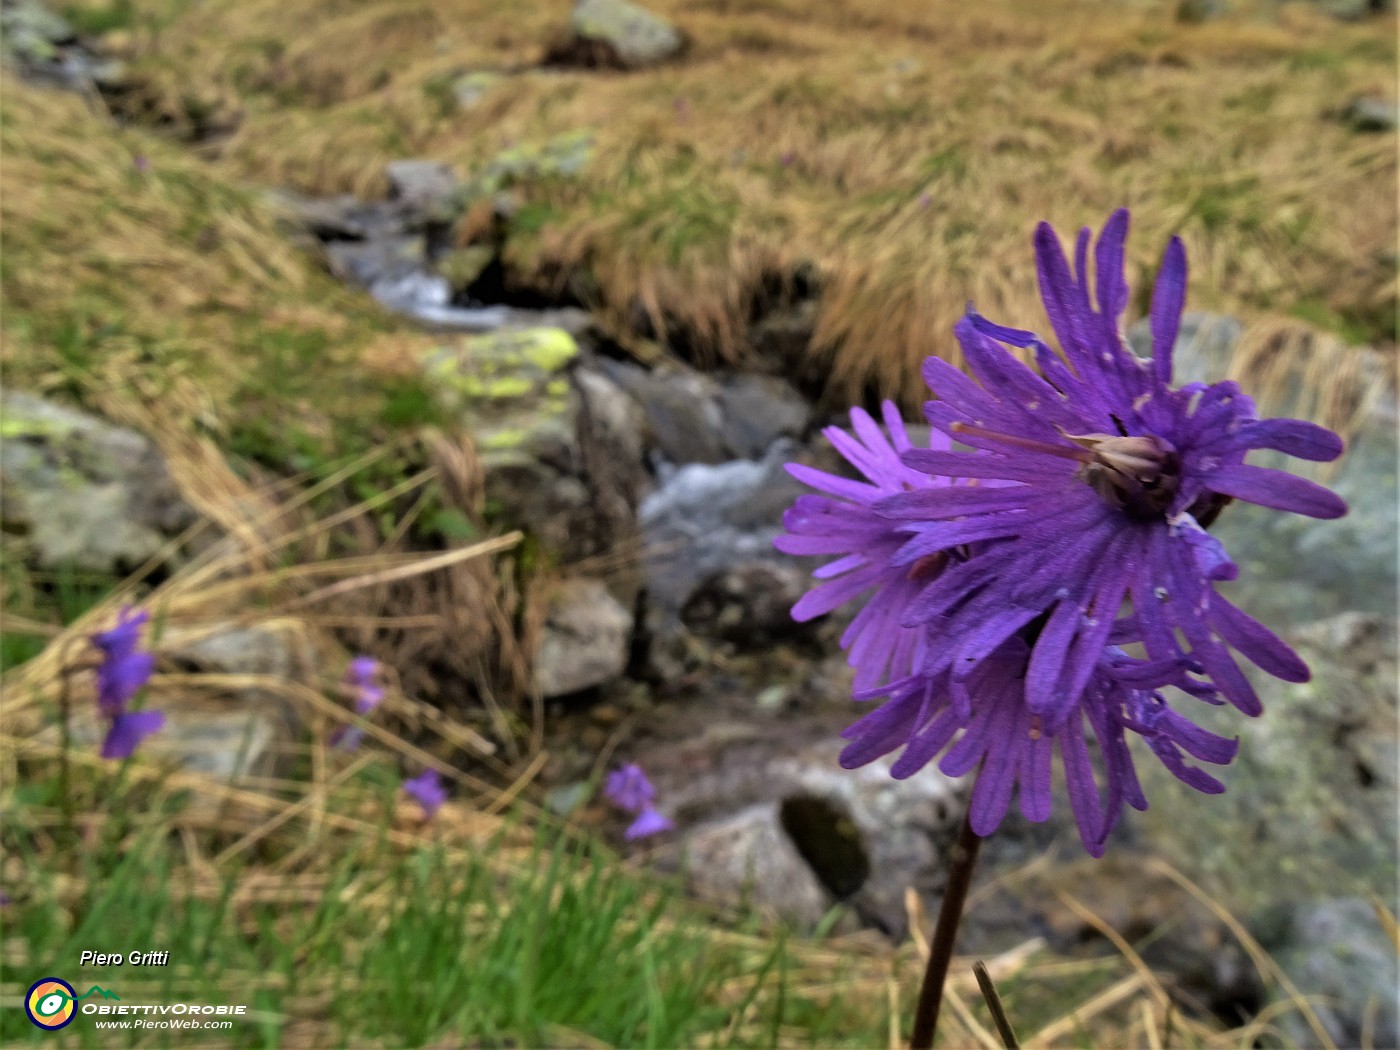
(1138, 474)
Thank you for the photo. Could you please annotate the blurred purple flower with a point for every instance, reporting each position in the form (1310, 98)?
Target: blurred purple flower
(628, 788)
(925, 199)
(361, 679)
(124, 670)
(788, 159)
(649, 822)
(141, 163)
(428, 790)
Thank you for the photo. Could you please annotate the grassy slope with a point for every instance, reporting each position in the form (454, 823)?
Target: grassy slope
(905, 151)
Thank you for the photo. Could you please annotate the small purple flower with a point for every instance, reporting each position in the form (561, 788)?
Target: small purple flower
(360, 678)
(649, 822)
(788, 159)
(128, 730)
(428, 790)
(628, 788)
(141, 163)
(124, 670)
(925, 200)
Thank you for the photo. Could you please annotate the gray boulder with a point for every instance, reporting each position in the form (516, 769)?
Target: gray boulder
(1338, 955)
(585, 639)
(87, 494)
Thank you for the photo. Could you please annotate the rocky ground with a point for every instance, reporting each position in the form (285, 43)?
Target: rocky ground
(658, 488)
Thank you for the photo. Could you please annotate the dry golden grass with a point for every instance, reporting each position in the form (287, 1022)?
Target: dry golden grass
(904, 152)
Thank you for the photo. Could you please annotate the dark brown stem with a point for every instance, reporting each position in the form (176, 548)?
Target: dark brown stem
(944, 935)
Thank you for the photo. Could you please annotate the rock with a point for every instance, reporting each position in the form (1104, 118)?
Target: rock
(616, 34)
(89, 494)
(562, 156)
(379, 262)
(426, 187)
(683, 416)
(747, 604)
(747, 859)
(757, 411)
(776, 820)
(470, 88)
(1312, 795)
(340, 218)
(585, 639)
(242, 650)
(704, 521)
(462, 266)
(1369, 113)
(30, 32)
(1338, 955)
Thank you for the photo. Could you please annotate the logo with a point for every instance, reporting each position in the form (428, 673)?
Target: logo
(51, 1003)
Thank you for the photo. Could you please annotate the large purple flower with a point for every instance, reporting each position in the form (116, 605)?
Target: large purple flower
(1109, 480)
(124, 670)
(844, 522)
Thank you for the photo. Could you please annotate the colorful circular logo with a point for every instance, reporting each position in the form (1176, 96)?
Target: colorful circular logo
(50, 1003)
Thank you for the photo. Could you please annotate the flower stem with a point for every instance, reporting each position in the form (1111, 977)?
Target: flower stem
(944, 935)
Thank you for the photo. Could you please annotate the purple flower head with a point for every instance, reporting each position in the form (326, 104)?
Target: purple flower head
(428, 790)
(649, 822)
(124, 670)
(1110, 479)
(628, 788)
(361, 679)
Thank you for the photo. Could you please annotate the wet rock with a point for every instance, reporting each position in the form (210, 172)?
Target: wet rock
(684, 420)
(1370, 113)
(1312, 795)
(30, 32)
(704, 521)
(462, 266)
(1338, 955)
(88, 494)
(378, 262)
(339, 218)
(757, 411)
(585, 638)
(426, 188)
(616, 34)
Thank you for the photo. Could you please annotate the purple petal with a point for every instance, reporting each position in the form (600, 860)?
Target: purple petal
(128, 730)
(427, 788)
(1256, 641)
(628, 788)
(1108, 269)
(649, 822)
(1277, 489)
(1168, 300)
(1293, 437)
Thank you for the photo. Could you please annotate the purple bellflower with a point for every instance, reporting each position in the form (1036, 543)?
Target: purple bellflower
(629, 789)
(361, 680)
(996, 603)
(648, 822)
(427, 789)
(124, 670)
